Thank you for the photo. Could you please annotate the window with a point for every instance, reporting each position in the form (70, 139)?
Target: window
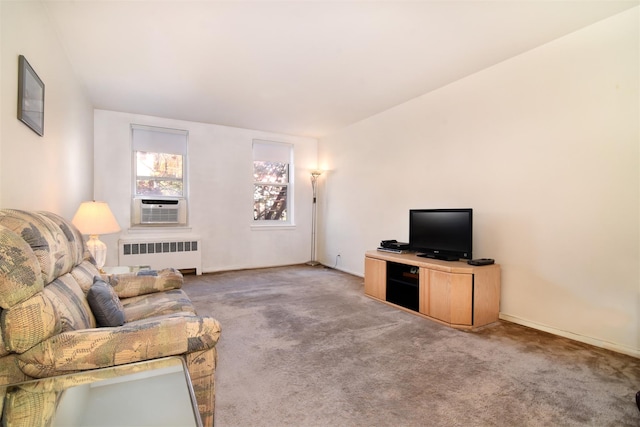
(159, 174)
(272, 181)
(159, 158)
(159, 185)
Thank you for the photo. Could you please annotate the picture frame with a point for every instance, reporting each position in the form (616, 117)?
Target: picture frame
(30, 97)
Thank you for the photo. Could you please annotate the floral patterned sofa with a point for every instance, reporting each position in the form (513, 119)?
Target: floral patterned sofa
(47, 326)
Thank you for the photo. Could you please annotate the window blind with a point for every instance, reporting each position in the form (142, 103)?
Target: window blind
(269, 151)
(159, 140)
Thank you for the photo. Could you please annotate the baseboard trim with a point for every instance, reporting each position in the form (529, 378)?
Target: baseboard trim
(353, 273)
(618, 348)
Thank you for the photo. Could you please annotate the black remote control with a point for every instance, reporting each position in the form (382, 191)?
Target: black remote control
(481, 261)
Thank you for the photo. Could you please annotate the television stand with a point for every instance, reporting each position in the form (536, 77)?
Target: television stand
(453, 293)
(440, 257)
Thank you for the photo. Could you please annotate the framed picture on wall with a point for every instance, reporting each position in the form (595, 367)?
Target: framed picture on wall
(30, 97)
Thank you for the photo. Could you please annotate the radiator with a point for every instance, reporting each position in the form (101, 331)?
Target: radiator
(183, 253)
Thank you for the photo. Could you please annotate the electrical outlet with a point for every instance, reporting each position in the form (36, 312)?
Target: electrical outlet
(338, 257)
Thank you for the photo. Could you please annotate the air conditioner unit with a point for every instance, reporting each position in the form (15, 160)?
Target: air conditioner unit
(159, 212)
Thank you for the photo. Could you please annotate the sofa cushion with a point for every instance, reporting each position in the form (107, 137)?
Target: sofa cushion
(149, 305)
(145, 282)
(60, 307)
(30, 322)
(105, 304)
(84, 274)
(20, 276)
(46, 239)
(74, 240)
(10, 372)
(72, 308)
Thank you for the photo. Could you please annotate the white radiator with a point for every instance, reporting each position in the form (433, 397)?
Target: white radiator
(183, 253)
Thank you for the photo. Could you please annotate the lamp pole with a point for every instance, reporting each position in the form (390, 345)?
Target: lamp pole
(314, 182)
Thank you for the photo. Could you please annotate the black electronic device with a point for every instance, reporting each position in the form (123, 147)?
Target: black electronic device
(481, 261)
(445, 234)
(394, 244)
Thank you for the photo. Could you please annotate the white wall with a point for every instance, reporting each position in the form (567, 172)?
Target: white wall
(53, 172)
(220, 190)
(545, 148)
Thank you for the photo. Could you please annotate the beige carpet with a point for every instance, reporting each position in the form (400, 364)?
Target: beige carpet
(303, 346)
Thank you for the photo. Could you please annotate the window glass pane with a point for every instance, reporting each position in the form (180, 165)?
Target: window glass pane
(270, 202)
(271, 172)
(271, 164)
(158, 174)
(159, 164)
(158, 187)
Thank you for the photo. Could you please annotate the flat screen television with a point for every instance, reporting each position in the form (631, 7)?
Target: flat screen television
(441, 233)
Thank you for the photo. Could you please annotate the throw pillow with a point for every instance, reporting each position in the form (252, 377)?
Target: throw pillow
(147, 273)
(105, 304)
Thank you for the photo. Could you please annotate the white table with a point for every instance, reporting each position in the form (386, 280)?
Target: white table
(151, 393)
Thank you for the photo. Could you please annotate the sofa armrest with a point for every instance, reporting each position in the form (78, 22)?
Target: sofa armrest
(144, 282)
(10, 372)
(133, 342)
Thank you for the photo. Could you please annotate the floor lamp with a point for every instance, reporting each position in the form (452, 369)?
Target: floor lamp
(314, 181)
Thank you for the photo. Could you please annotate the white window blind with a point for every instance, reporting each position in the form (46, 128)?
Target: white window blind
(268, 151)
(159, 140)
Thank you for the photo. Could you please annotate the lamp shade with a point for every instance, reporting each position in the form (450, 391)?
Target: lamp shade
(95, 218)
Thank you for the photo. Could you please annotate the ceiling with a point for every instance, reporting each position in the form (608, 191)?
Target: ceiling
(304, 68)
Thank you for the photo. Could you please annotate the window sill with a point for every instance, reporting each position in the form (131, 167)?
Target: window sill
(158, 229)
(272, 227)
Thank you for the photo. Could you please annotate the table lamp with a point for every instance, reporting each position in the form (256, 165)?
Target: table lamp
(95, 218)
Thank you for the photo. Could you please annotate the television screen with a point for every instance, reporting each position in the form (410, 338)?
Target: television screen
(441, 233)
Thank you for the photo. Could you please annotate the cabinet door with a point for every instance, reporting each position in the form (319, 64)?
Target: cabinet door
(424, 291)
(375, 278)
(451, 297)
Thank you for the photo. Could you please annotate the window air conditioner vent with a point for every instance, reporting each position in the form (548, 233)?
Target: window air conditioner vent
(159, 212)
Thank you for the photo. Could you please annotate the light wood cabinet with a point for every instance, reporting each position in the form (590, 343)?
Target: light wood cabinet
(376, 278)
(454, 293)
(450, 296)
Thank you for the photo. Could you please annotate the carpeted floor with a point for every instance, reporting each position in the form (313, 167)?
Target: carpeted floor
(303, 346)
